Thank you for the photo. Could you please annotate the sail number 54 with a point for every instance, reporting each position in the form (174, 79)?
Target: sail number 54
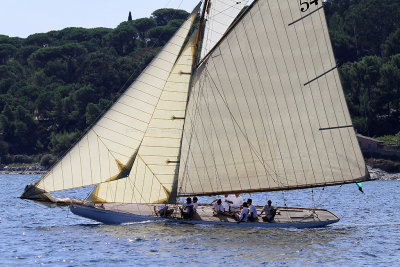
(305, 4)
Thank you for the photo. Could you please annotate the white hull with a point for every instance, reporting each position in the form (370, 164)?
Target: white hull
(118, 217)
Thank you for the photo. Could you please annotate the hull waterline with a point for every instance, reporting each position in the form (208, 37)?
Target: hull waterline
(117, 217)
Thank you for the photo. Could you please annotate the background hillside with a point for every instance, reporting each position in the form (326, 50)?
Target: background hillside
(54, 85)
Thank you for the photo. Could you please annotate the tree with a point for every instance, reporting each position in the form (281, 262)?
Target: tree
(143, 25)
(391, 46)
(130, 16)
(164, 15)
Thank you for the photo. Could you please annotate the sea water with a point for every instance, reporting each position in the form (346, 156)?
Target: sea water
(368, 233)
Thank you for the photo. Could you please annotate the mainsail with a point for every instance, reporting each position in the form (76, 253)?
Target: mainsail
(267, 110)
(109, 148)
(154, 173)
(221, 14)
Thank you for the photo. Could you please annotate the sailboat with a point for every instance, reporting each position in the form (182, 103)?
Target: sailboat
(250, 103)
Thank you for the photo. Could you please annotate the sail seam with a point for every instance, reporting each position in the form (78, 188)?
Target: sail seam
(132, 117)
(306, 106)
(325, 106)
(131, 137)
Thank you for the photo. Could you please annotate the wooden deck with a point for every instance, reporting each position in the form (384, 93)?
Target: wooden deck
(205, 213)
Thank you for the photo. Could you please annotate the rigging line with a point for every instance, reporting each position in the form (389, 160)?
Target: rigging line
(275, 66)
(237, 104)
(185, 179)
(285, 97)
(231, 115)
(329, 196)
(197, 115)
(202, 151)
(224, 127)
(314, 102)
(260, 82)
(98, 154)
(211, 146)
(222, 123)
(255, 96)
(211, 120)
(250, 48)
(330, 97)
(265, 96)
(229, 7)
(226, 33)
(211, 29)
(106, 108)
(248, 141)
(90, 160)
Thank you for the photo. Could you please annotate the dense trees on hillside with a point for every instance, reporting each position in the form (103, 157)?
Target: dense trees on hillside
(366, 40)
(54, 85)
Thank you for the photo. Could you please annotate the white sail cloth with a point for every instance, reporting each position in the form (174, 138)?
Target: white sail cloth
(267, 110)
(220, 15)
(113, 141)
(155, 170)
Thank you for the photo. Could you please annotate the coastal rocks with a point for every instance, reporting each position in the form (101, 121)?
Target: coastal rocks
(379, 174)
(386, 165)
(23, 169)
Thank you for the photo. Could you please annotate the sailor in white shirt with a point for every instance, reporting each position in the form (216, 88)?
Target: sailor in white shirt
(252, 211)
(218, 208)
(244, 214)
(187, 209)
(237, 201)
(226, 203)
(270, 212)
(195, 204)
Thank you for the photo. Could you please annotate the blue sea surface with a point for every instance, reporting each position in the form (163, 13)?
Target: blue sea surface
(368, 233)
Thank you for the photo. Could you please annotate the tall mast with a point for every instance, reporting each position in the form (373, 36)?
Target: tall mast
(203, 13)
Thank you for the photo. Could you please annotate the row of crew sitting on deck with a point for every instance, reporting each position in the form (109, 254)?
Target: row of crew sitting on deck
(241, 211)
(248, 211)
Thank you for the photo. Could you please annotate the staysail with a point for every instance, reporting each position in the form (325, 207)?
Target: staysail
(267, 110)
(154, 174)
(220, 15)
(109, 148)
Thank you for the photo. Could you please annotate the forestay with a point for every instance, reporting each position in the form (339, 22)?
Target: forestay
(220, 15)
(267, 110)
(154, 172)
(110, 146)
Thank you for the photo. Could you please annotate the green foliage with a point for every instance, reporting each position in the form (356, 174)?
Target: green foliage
(54, 85)
(48, 160)
(60, 142)
(164, 15)
(393, 140)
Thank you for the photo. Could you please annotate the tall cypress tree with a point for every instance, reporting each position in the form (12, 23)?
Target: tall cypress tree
(130, 16)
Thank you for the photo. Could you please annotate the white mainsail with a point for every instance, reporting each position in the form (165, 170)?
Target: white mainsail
(154, 171)
(267, 110)
(220, 15)
(110, 146)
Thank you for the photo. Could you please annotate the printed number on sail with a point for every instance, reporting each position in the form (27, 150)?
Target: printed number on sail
(305, 5)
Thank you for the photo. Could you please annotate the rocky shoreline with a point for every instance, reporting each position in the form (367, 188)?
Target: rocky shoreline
(23, 169)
